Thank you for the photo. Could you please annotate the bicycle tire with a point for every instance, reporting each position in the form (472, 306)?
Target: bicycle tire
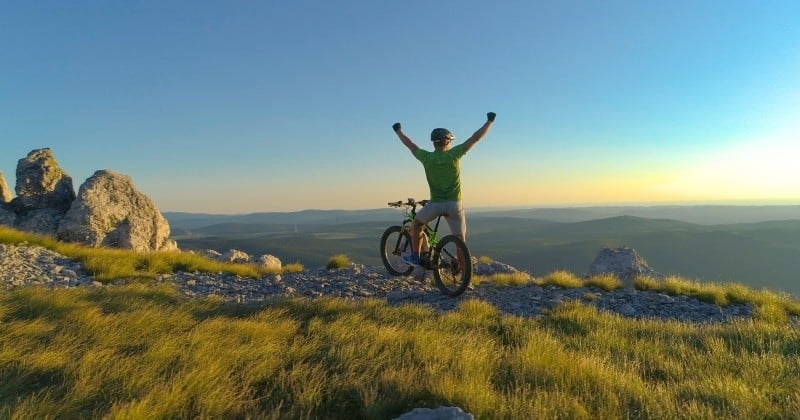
(394, 243)
(452, 266)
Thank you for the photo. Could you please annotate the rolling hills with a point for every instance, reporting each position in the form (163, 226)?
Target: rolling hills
(745, 246)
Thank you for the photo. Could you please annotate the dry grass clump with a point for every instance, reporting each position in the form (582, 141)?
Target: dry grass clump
(605, 281)
(518, 278)
(562, 278)
(338, 261)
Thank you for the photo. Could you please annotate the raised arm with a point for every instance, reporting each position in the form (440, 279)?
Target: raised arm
(481, 131)
(403, 138)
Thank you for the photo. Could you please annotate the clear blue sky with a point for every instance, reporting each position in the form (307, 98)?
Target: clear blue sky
(240, 106)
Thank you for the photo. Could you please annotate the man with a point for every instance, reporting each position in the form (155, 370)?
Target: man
(444, 181)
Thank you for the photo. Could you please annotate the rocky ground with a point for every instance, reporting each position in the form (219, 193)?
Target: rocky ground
(23, 265)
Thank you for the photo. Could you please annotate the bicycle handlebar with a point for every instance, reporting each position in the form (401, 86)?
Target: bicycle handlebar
(411, 202)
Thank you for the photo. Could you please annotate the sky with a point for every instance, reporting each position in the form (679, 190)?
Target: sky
(251, 106)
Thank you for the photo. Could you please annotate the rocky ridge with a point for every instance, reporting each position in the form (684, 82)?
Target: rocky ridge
(108, 210)
(29, 265)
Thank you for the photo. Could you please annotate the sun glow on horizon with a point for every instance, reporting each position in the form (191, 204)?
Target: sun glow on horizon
(755, 170)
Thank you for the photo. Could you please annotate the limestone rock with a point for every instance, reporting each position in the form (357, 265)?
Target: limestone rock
(42, 184)
(109, 211)
(7, 215)
(5, 193)
(212, 255)
(623, 262)
(43, 221)
(269, 262)
(439, 413)
(491, 268)
(236, 256)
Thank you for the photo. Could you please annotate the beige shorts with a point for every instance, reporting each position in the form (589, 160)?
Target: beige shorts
(453, 212)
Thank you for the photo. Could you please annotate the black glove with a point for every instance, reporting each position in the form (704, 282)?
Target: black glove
(396, 127)
(490, 116)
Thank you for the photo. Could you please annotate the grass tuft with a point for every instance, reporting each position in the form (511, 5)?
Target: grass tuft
(563, 279)
(338, 261)
(518, 278)
(294, 267)
(607, 282)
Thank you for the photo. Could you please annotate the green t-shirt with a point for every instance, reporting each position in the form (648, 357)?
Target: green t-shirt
(443, 172)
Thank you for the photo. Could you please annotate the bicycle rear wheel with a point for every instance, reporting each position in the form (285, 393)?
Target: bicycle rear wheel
(395, 243)
(452, 265)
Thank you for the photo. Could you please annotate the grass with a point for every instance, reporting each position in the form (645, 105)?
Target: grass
(134, 351)
(107, 264)
(769, 304)
(338, 261)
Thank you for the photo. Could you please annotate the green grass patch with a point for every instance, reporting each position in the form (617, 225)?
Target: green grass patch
(134, 351)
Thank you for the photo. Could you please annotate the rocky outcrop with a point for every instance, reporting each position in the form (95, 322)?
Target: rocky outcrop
(7, 215)
(5, 193)
(44, 193)
(42, 184)
(623, 262)
(109, 211)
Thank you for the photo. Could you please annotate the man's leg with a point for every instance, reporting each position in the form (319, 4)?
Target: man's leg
(425, 215)
(457, 222)
(416, 236)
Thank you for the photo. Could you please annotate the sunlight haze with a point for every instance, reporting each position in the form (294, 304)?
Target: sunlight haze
(237, 107)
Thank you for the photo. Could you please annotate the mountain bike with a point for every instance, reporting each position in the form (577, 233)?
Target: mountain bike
(448, 257)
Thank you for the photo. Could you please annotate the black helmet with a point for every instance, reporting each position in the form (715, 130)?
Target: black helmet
(441, 135)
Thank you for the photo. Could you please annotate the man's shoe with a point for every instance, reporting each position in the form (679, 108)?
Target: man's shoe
(412, 260)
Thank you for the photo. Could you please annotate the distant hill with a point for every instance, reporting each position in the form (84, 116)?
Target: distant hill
(706, 214)
(761, 253)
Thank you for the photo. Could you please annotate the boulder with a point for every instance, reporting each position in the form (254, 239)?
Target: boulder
(439, 413)
(42, 184)
(109, 211)
(212, 255)
(7, 215)
(235, 256)
(491, 268)
(269, 262)
(5, 193)
(623, 262)
(44, 221)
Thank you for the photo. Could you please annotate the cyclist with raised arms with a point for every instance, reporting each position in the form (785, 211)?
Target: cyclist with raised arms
(444, 181)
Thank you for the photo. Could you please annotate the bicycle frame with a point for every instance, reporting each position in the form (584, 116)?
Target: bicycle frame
(430, 233)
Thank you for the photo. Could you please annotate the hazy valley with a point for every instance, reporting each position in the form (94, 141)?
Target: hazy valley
(755, 245)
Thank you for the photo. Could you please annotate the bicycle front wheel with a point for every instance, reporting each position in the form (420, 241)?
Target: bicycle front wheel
(395, 243)
(452, 265)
